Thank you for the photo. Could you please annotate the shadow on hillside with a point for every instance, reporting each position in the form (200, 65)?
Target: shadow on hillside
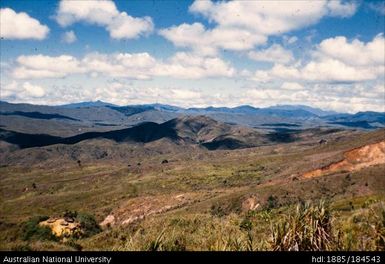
(282, 136)
(227, 143)
(144, 133)
(38, 115)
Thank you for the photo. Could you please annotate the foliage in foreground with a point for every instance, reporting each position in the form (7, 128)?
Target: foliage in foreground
(304, 227)
(31, 230)
(309, 228)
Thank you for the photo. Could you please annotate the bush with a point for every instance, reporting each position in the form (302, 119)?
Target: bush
(308, 229)
(70, 214)
(31, 230)
(272, 202)
(88, 224)
(246, 224)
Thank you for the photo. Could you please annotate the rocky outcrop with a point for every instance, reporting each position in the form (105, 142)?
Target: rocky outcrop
(63, 227)
(250, 204)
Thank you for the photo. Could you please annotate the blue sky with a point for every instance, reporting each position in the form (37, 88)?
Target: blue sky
(328, 54)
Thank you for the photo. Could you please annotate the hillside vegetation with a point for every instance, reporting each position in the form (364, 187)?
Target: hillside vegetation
(177, 194)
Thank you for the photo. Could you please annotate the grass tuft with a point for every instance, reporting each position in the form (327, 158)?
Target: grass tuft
(308, 229)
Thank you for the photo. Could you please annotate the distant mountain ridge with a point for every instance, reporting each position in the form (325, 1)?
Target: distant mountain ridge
(95, 115)
(244, 109)
(97, 103)
(316, 111)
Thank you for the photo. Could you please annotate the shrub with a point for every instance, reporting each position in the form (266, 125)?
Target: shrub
(70, 214)
(272, 202)
(308, 229)
(246, 224)
(88, 224)
(31, 230)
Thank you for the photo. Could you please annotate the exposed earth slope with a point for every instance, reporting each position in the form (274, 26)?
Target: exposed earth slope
(355, 159)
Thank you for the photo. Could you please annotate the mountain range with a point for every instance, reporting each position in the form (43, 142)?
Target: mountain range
(28, 126)
(101, 116)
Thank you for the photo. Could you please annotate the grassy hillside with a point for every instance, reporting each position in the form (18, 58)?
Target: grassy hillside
(163, 196)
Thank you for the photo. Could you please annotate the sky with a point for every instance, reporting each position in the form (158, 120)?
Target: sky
(325, 53)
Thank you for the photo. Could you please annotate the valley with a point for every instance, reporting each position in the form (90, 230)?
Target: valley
(163, 178)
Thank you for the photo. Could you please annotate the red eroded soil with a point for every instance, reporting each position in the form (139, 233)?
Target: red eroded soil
(354, 160)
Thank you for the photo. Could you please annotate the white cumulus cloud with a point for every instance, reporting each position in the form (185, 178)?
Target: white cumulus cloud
(138, 66)
(20, 26)
(69, 37)
(355, 52)
(103, 13)
(339, 9)
(42, 66)
(292, 86)
(241, 25)
(334, 60)
(275, 53)
(33, 90)
(205, 41)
